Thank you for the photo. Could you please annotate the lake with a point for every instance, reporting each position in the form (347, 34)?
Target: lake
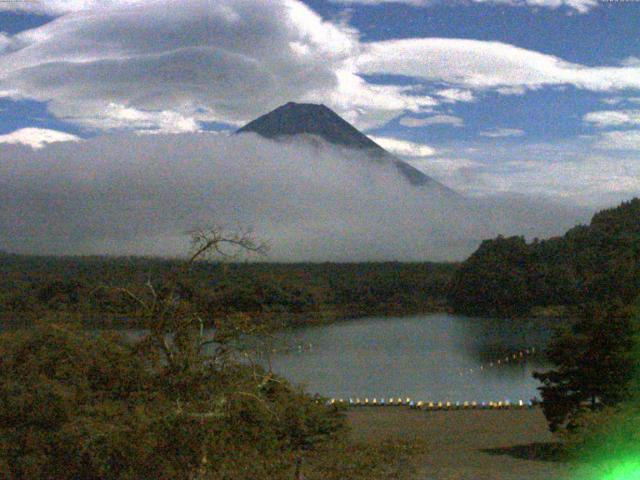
(438, 357)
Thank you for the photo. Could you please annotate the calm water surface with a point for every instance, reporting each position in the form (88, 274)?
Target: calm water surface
(427, 357)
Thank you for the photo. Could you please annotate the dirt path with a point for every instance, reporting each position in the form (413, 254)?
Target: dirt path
(469, 444)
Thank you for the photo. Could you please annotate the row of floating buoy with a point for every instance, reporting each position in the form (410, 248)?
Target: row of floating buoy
(432, 406)
(515, 357)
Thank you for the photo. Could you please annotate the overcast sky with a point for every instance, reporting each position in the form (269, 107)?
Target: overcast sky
(526, 97)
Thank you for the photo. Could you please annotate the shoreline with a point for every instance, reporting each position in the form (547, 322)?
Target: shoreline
(468, 444)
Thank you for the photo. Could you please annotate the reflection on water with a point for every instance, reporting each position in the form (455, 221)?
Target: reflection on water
(429, 357)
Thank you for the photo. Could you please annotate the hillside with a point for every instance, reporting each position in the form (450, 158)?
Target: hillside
(597, 263)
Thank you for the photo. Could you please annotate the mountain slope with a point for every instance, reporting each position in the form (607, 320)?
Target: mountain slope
(309, 119)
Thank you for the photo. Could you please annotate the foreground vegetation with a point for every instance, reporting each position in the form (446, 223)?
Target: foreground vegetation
(591, 398)
(76, 404)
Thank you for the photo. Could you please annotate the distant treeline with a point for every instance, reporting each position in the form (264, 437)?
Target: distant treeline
(93, 288)
(594, 264)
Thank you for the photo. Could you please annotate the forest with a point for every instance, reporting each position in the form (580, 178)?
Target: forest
(591, 264)
(289, 293)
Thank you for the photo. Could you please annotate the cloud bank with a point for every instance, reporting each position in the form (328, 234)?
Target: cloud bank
(132, 194)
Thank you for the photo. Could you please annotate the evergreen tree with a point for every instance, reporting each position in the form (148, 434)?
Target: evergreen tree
(594, 365)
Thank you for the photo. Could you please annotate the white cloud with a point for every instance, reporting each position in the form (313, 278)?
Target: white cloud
(5, 41)
(619, 100)
(403, 148)
(581, 6)
(502, 132)
(631, 62)
(36, 137)
(169, 64)
(198, 60)
(117, 117)
(481, 65)
(433, 120)
(518, 90)
(620, 140)
(612, 100)
(443, 168)
(589, 180)
(613, 118)
(451, 95)
(60, 7)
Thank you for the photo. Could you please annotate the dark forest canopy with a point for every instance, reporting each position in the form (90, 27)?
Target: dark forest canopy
(597, 263)
(296, 292)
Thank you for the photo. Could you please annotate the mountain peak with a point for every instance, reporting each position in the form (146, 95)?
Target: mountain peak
(310, 119)
(293, 119)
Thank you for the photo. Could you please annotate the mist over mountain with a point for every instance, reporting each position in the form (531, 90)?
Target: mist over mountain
(307, 119)
(312, 201)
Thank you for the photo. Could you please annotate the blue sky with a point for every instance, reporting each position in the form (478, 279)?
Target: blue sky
(485, 95)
